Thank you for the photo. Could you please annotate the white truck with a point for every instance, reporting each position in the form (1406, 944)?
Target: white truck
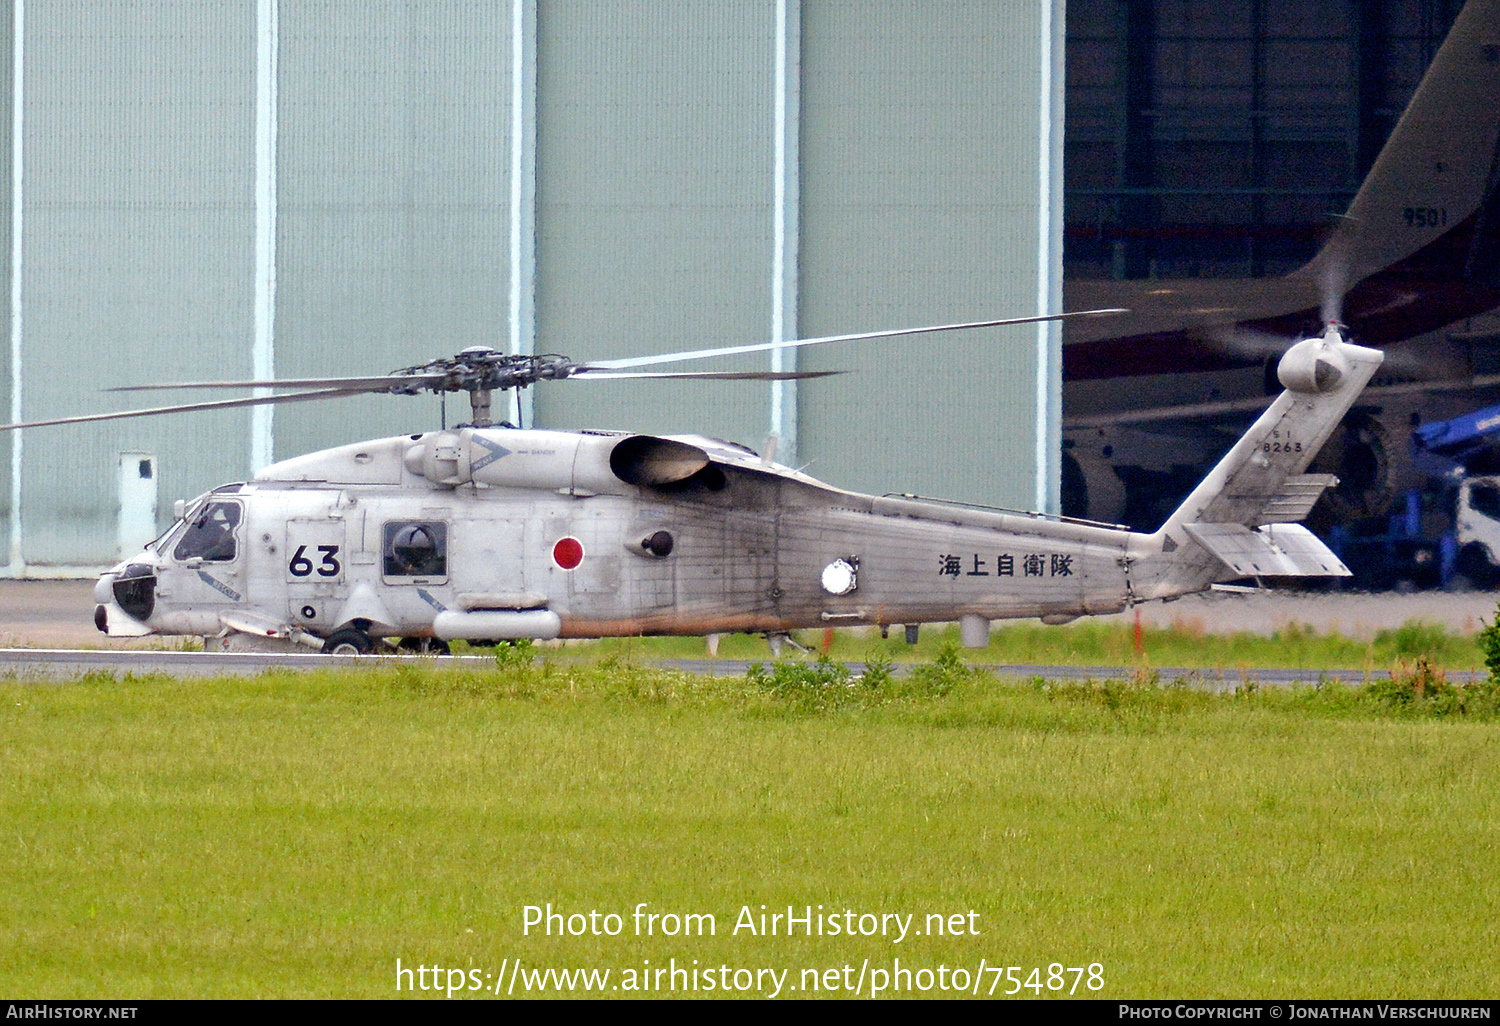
(1476, 532)
(1469, 554)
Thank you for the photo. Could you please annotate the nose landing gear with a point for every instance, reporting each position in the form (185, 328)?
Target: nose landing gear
(345, 641)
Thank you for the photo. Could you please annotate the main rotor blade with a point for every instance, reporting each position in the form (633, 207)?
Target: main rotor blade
(762, 347)
(373, 384)
(588, 374)
(221, 404)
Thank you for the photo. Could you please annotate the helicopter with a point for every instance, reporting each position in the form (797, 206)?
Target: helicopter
(488, 533)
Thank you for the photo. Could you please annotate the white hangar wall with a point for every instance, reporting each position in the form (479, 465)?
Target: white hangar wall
(932, 193)
(135, 237)
(231, 190)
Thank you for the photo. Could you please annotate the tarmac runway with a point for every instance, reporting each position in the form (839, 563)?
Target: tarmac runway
(1356, 615)
(46, 629)
(40, 664)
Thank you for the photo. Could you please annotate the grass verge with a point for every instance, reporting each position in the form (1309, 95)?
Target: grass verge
(293, 835)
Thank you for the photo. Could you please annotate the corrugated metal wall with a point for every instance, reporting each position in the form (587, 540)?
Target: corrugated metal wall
(138, 219)
(393, 201)
(655, 129)
(7, 224)
(919, 206)
(654, 204)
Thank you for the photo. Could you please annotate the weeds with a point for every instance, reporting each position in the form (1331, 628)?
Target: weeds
(1489, 644)
(879, 671)
(948, 690)
(1412, 684)
(817, 685)
(515, 656)
(1109, 643)
(942, 675)
(787, 676)
(825, 683)
(1421, 689)
(1143, 693)
(1415, 639)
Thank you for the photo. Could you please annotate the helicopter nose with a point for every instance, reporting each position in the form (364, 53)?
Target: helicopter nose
(113, 622)
(125, 600)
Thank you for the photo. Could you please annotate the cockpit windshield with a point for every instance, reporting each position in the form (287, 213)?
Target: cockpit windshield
(210, 534)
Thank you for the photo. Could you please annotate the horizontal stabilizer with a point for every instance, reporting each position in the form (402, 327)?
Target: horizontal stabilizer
(1291, 503)
(1282, 550)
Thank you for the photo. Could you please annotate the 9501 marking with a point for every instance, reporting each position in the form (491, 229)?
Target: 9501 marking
(301, 566)
(1425, 217)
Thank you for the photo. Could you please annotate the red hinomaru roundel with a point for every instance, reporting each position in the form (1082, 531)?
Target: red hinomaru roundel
(568, 553)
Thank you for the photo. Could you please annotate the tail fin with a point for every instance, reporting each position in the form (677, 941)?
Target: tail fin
(1238, 522)
(1262, 480)
(1437, 175)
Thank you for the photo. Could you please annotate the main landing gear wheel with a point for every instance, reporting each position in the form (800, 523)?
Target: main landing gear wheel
(423, 646)
(348, 641)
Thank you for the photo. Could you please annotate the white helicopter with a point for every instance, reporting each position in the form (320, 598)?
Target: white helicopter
(489, 533)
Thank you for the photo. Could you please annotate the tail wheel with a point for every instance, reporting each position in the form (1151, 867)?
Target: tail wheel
(348, 641)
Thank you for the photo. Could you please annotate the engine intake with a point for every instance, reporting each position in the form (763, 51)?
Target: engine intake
(581, 463)
(653, 461)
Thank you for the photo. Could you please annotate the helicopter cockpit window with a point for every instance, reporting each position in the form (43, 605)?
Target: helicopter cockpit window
(416, 548)
(210, 534)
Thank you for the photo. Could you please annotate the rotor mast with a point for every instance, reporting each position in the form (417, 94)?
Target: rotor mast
(479, 405)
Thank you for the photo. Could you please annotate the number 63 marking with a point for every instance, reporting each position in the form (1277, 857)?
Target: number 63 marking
(301, 566)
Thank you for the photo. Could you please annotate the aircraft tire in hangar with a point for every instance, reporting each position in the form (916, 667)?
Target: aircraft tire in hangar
(1357, 455)
(1091, 490)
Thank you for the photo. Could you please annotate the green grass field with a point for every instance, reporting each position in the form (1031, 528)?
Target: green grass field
(294, 835)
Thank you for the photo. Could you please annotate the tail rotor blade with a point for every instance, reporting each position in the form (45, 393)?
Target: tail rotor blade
(1333, 283)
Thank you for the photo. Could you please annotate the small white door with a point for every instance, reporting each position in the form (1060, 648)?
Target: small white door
(137, 525)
